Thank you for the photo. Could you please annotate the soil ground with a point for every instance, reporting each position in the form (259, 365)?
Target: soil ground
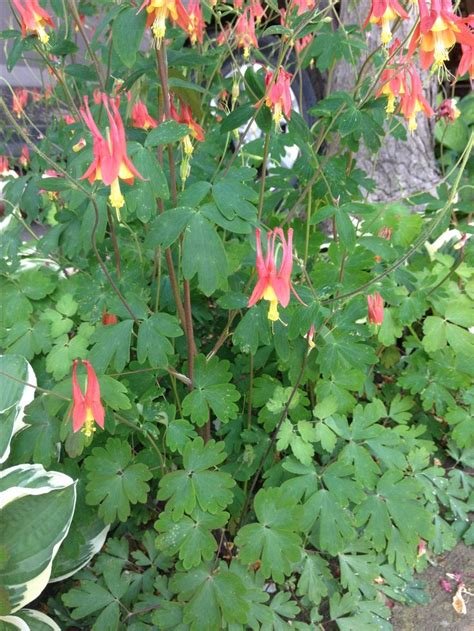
(439, 614)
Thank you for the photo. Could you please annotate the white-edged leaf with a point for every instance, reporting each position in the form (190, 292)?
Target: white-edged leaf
(14, 397)
(36, 510)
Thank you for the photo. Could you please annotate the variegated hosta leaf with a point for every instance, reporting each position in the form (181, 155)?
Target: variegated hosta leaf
(28, 620)
(14, 397)
(71, 559)
(36, 510)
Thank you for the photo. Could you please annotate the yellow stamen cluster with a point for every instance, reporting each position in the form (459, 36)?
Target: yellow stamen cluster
(42, 34)
(271, 297)
(116, 198)
(89, 427)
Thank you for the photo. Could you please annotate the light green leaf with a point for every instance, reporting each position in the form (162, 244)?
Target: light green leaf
(273, 540)
(127, 34)
(197, 485)
(114, 482)
(153, 340)
(191, 536)
(201, 245)
(112, 343)
(211, 392)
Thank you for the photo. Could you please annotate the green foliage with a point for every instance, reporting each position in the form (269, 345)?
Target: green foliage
(211, 392)
(251, 473)
(114, 482)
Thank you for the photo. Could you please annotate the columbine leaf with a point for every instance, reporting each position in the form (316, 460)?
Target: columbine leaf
(197, 485)
(204, 254)
(273, 540)
(211, 391)
(112, 342)
(191, 536)
(153, 340)
(212, 597)
(114, 482)
(332, 524)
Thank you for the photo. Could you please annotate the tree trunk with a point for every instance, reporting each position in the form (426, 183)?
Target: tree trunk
(400, 168)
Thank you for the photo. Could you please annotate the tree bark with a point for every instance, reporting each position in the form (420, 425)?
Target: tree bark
(400, 168)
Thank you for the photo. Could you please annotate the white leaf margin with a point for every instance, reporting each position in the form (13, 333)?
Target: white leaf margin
(48, 481)
(25, 399)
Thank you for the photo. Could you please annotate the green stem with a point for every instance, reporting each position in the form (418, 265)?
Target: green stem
(261, 198)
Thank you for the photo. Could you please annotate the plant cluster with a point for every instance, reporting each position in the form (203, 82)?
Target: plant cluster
(207, 426)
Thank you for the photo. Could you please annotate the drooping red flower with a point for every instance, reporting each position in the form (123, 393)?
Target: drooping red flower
(274, 283)
(186, 118)
(68, 119)
(33, 19)
(257, 11)
(245, 32)
(20, 100)
(4, 166)
(86, 408)
(111, 162)
(383, 12)
(161, 10)
(195, 26)
(140, 116)
(109, 318)
(278, 94)
(466, 64)
(375, 308)
(310, 337)
(393, 79)
(24, 159)
(437, 32)
(413, 99)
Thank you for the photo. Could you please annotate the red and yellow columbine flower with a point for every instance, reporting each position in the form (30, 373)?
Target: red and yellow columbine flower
(195, 25)
(392, 79)
(257, 11)
(413, 100)
(278, 94)
(274, 283)
(466, 65)
(141, 118)
(34, 19)
(310, 337)
(195, 131)
(245, 32)
(161, 10)
(375, 308)
(111, 162)
(4, 166)
(186, 118)
(383, 12)
(19, 102)
(437, 32)
(24, 159)
(86, 408)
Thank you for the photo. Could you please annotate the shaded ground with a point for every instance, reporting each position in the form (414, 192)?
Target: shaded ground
(439, 614)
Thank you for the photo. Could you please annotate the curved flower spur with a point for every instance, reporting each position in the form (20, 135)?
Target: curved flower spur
(274, 283)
